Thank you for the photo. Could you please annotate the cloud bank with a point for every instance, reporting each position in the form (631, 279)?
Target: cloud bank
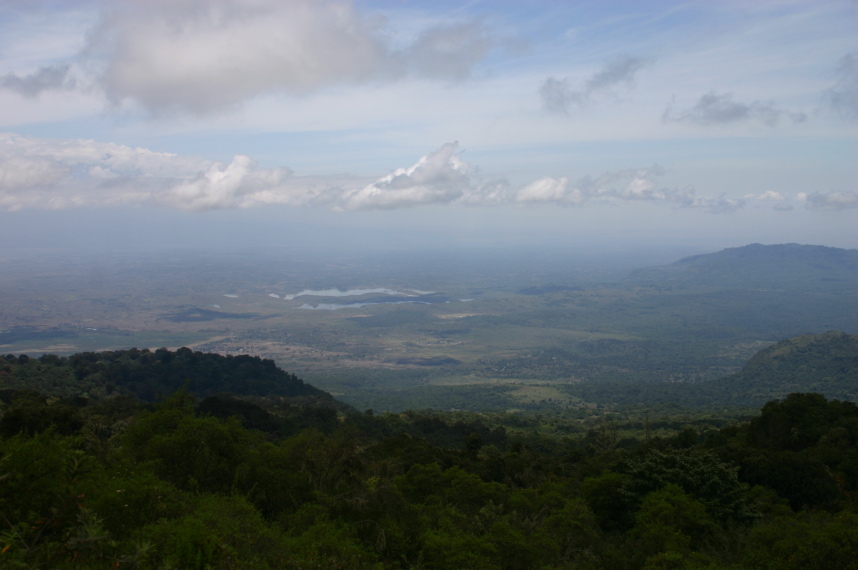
(57, 174)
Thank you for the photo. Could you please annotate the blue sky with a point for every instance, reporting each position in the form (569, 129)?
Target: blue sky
(711, 123)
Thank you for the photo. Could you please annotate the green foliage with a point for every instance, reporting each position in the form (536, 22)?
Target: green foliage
(179, 485)
(803, 447)
(700, 474)
(30, 412)
(811, 540)
(607, 497)
(46, 520)
(216, 532)
(330, 544)
(798, 422)
(670, 520)
(149, 374)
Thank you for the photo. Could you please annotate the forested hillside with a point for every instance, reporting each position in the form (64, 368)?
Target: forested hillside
(122, 485)
(149, 375)
(221, 481)
(825, 363)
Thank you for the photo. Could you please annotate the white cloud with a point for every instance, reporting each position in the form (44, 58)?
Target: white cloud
(203, 55)
(770, 195)
(438, 177)
(491, 193)
(629, 184)
(239, 184)
(548, 189)
(113, 160)
(43, 173)
(25, 172)
(776, 200)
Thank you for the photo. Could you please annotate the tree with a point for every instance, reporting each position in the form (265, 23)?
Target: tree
(700, 474)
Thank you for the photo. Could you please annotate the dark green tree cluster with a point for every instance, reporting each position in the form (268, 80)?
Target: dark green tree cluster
(223, 483)
(150, 375)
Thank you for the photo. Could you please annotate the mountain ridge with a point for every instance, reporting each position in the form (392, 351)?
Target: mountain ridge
(780, 266)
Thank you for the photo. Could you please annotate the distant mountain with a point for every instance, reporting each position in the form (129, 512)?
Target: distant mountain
(781, 267)
(824, 363)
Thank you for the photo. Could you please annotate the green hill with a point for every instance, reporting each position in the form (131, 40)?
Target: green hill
(824, 363)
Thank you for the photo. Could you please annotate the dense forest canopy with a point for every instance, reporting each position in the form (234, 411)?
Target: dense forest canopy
(149, 375)
(208, 479)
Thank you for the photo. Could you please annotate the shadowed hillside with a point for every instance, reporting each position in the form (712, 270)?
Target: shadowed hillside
(824, 363)
(149, 374)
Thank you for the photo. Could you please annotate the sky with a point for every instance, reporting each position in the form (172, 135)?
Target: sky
(708, 124)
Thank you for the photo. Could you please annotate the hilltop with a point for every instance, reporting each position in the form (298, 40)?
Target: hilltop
(150, 375)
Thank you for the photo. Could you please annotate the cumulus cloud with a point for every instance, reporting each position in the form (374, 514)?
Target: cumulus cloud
(720, 109)
(776, 200)
(558, 96)
(202, 55)
(548, 189)
(628, 185)
(438, 177)
(42, 173)
(26, 172)
(48, 78)
(769, 195)
(843, 97)
(490, 193)
(237, 184)
(109, 160)
(846, 200)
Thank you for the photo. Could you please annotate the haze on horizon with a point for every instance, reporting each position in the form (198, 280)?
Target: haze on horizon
(691, 125)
